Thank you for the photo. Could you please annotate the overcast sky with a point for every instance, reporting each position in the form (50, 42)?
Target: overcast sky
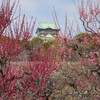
(42, 10)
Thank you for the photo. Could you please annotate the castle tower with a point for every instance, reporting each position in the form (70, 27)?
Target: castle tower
(47, 31)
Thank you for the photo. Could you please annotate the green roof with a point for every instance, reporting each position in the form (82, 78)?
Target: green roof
(47, 25)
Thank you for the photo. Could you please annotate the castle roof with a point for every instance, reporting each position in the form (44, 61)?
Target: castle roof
(47, 25)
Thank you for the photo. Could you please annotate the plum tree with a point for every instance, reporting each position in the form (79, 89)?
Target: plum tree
(22, 81)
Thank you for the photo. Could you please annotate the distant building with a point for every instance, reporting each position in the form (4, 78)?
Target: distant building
(47, 31)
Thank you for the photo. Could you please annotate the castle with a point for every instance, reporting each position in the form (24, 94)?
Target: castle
(47, 31)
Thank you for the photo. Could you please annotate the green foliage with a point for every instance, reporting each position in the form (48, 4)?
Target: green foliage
(49, 43)
(36, 40)
(27, 45)
(3, 37)
(80, 37)
(91, 43)
(34, 43)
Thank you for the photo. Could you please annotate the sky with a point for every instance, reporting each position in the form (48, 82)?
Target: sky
(42, 11)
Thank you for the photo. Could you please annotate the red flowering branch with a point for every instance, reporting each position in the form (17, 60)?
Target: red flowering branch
(89, 12)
